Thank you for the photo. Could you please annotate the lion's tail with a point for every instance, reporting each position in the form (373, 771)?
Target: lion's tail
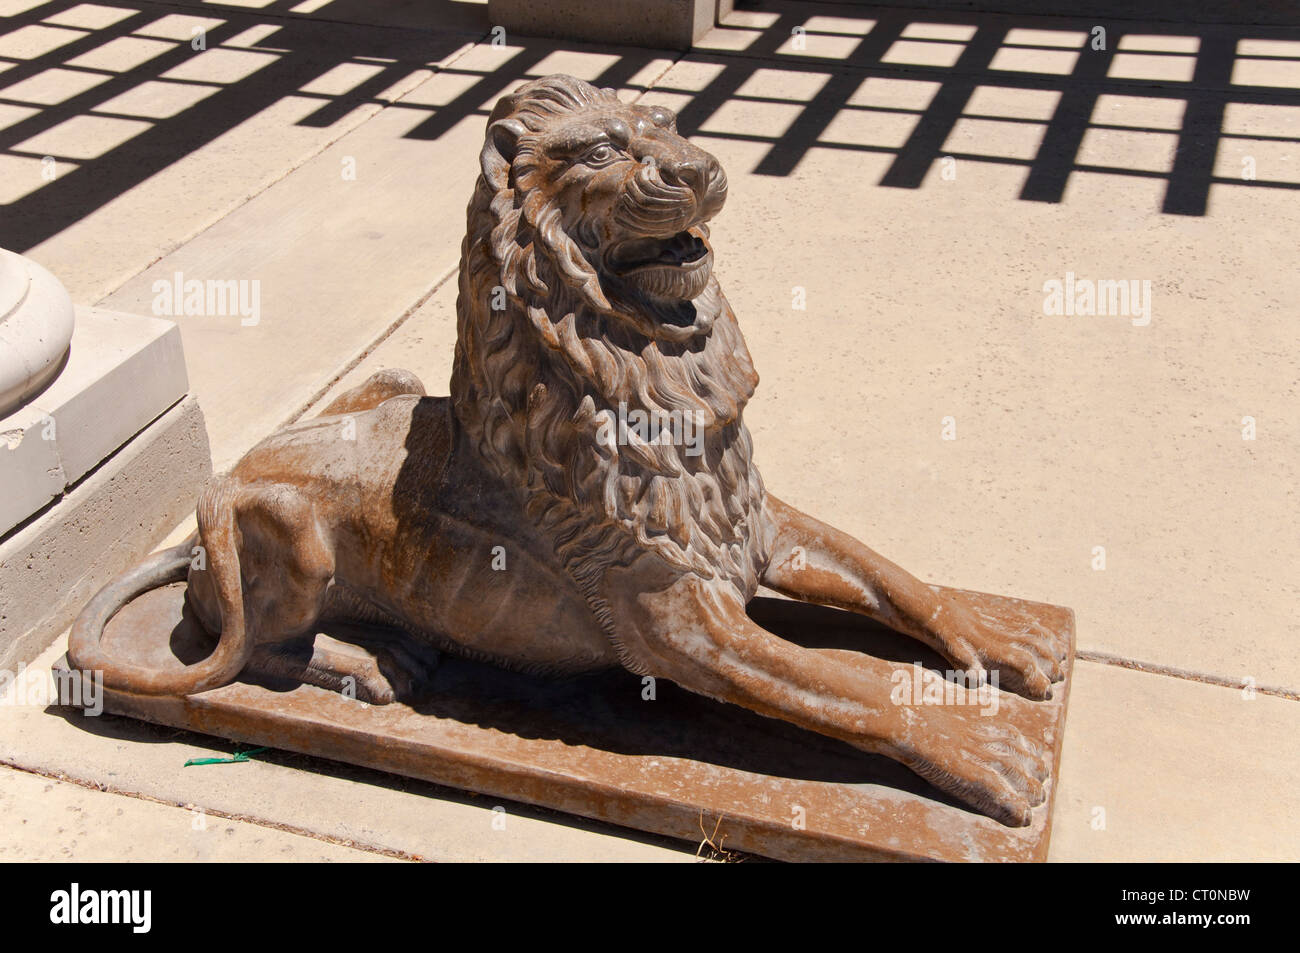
(86, 651)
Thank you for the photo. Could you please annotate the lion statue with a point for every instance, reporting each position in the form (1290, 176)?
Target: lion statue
(593, 448)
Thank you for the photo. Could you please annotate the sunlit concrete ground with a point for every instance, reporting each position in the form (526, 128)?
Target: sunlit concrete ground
(903, 185)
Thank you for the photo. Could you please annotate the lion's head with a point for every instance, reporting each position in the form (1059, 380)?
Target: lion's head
(614, 197)
(587, 295)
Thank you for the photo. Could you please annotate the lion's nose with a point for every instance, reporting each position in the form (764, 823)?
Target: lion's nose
(693, 172)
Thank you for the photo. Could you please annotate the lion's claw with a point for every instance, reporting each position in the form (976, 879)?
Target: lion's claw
(993, 767)
(981, 634)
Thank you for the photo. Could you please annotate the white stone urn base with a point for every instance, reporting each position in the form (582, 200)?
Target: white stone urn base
(36, 320)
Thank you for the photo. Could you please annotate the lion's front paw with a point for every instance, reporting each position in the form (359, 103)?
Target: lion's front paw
(997, 635)
(990, 765)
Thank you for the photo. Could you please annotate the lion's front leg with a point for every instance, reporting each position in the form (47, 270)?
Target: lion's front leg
(696, 634)
(817, 563)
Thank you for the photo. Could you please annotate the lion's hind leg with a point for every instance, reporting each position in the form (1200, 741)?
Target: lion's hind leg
(357, 650)
(283, 564)
(373, 391)
(375, 674)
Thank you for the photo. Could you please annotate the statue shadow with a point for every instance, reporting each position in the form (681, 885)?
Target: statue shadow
(626, 714)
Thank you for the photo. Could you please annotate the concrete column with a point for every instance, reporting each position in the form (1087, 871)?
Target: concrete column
(663, 24)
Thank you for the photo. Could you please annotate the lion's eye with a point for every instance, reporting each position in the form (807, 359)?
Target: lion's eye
(600, 154)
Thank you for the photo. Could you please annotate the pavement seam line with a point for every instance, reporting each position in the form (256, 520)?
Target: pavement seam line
(653, 82)
(367, 350)
(1170, 671)
(211, 812)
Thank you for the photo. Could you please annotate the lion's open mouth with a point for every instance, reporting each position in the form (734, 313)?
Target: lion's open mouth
(679, 251)
(676, 267)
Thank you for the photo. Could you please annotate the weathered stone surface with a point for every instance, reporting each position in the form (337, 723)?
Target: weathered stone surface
(29, 466)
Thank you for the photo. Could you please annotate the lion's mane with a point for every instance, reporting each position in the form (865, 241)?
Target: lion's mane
(534, 381)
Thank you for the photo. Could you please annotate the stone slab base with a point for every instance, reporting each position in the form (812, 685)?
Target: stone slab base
(54, 563)
(596, 746)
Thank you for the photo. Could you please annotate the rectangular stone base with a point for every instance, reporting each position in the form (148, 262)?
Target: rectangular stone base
(596, 746)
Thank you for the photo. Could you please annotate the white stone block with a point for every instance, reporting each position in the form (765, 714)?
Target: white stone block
(30, 473)
(122, 372)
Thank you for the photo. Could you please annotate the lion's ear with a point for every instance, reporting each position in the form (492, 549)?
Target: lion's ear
(499, 151)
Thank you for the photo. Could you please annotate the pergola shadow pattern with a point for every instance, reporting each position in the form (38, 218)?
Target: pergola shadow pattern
(893, 43)
(1201, 71)
(293, 53)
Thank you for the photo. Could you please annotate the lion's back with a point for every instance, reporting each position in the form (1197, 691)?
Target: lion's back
(457, 557)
